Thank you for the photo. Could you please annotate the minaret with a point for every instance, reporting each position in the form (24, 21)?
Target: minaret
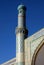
(21, 34)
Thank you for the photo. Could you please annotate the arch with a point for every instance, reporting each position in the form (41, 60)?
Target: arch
(36, 52)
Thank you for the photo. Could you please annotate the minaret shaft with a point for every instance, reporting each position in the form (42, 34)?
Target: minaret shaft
(21, 19)
(21, 34)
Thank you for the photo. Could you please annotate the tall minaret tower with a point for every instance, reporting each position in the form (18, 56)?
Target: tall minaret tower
(21, 34)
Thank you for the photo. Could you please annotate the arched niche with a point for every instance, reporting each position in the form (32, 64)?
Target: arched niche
(38, 57)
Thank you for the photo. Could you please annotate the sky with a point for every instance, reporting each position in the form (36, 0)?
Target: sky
(9, 20)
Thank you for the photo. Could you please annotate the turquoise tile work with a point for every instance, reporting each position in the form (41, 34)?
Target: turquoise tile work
(20, 47)
(20, 63)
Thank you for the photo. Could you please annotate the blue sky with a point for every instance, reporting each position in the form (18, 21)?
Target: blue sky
(8, 23)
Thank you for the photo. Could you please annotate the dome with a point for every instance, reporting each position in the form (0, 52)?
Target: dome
(21, 7)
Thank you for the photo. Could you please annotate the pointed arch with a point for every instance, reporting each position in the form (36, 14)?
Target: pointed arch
(36, 52)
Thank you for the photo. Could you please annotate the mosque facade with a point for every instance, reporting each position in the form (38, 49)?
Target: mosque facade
(29, 50)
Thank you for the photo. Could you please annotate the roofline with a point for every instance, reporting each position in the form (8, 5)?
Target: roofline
(9, 61)
(36, 34)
